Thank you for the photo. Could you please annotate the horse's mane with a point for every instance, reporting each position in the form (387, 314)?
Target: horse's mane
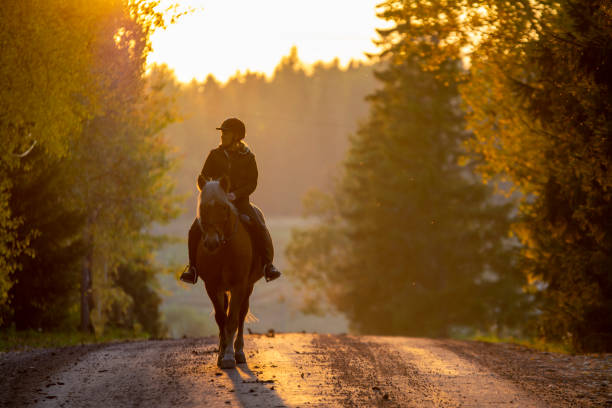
(212, 192)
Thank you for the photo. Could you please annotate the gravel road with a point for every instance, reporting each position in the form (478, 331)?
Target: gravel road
(305, 370)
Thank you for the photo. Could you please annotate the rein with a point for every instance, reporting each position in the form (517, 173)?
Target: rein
(224, 239)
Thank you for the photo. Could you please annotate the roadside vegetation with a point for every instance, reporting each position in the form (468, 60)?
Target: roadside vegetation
(459, 185)
(83, 164)
(24, 340)
(533, 343)
(513, 94)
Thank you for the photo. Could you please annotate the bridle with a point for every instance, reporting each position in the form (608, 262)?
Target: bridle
(224, 239)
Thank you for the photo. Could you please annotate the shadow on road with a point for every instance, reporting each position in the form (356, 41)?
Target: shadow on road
(252, 391)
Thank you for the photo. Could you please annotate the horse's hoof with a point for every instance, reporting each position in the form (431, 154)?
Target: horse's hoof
(228, 363)
(240, 357)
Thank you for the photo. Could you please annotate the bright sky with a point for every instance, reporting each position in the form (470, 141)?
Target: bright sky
(225, 36)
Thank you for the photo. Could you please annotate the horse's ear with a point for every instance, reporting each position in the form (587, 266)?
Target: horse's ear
(202, 180)
(224, 182)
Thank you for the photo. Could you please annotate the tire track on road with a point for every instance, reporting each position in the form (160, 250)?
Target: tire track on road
(367, 373)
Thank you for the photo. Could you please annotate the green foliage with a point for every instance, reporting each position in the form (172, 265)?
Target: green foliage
(121, 163)
(142, 314)
(538, 95)
(10, 247)
(78, 90)
(568, 228)
(44, 62)
(410, 242)
(534, 344)
(45, 58)
(46, 283)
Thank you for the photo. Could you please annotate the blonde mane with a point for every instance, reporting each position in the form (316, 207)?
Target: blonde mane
(212, 192)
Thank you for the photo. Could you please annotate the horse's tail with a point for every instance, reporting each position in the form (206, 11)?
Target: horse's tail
(250, 317)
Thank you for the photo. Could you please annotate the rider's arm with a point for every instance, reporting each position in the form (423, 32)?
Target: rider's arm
(250, 183)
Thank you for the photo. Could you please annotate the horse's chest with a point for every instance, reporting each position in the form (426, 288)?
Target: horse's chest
(223, 271)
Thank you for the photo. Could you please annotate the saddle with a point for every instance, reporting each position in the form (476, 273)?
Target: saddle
(252, 223)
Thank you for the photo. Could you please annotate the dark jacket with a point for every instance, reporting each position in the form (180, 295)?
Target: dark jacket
(239, 165)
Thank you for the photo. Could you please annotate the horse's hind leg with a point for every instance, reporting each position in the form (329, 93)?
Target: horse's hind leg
(239, 343)
(231, 325)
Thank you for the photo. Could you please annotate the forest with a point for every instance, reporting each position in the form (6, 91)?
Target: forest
(85, 169)
(297, 124)
(476, 98)
(458, 182)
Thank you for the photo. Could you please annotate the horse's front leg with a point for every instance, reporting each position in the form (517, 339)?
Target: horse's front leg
(218, 300)
(239, 343)
(231, 325)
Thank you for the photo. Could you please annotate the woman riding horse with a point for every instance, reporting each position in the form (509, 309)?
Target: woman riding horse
(235, 160)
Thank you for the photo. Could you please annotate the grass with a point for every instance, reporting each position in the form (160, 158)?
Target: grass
(21, 340)
(534, 344)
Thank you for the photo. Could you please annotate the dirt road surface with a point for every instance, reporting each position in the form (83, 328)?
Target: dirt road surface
(305, 370)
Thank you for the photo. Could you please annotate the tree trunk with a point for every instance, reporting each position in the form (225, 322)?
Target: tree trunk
(86, 291)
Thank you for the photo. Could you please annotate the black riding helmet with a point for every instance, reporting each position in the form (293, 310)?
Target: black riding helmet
(235, 125)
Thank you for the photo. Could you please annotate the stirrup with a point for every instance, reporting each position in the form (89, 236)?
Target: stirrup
(188, 277)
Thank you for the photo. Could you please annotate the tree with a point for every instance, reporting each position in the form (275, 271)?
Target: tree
(121, 161)
(538, 94)
(411, 242)
(567, 230)
(74, 90)
(45, 288)
(136, 278)
(44, 62)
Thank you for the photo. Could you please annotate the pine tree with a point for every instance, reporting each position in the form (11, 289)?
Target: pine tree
(411, 242)
(568, 227)
(538, 97)
(46, 284)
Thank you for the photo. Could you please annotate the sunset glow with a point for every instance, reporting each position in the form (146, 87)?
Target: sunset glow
(222, 37)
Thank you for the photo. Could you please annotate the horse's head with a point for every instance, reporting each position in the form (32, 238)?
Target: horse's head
(214, 210)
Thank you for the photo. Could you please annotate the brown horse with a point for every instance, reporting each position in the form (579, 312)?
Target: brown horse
(228, 265)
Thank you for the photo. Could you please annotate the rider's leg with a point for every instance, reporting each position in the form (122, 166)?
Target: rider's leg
(262, 238)
(193, 239)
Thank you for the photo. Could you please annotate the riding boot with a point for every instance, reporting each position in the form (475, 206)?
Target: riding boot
(267, 252)
(190, 274)
(270, 272)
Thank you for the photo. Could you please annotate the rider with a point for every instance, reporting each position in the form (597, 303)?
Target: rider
(234, 159)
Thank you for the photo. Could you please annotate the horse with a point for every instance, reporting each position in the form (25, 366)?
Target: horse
(228, 264)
